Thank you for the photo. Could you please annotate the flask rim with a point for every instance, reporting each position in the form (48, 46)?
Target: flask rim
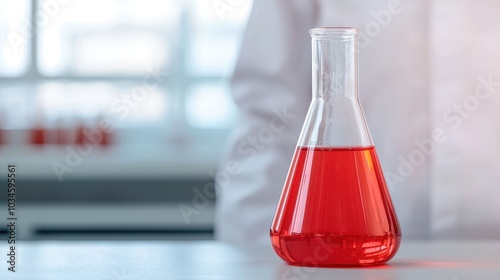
(333, 32)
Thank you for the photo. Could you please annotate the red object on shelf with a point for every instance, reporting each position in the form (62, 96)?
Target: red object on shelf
(95, 136)
(2, 136)
(60, 135)
(106, 138)
(37, 136)
(80, 135)
(107, 135)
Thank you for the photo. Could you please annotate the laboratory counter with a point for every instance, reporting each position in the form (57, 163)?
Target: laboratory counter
(128, 260)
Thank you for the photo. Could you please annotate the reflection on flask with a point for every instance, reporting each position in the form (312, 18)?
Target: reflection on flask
(335, 209)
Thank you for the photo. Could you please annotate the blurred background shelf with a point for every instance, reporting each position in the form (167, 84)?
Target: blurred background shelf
(156, 72)
(127, 161)
(120, 221)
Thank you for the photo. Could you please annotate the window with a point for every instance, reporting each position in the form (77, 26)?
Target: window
(13, 51)
(149, 65)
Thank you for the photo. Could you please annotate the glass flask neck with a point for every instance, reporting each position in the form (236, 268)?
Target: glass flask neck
(335, 61)
(335, 117)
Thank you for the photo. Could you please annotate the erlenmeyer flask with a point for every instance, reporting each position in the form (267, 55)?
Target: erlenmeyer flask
(335, 209)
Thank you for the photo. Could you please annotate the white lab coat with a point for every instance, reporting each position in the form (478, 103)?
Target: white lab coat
(419, 61)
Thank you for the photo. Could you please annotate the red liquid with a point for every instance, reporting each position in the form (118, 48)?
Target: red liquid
(335, 210)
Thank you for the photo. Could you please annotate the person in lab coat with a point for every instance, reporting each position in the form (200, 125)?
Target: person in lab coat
(430, 90)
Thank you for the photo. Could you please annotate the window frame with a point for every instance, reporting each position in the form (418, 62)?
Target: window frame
(176, 83)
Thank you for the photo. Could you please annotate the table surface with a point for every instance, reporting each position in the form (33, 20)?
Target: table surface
(129, 260)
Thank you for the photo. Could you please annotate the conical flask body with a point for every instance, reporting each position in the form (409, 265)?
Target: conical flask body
(335, 208)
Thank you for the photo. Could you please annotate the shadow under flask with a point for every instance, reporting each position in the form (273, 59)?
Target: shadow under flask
(335, 208)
